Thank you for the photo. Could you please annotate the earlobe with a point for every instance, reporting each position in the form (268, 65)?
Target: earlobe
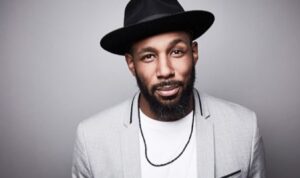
(195, 51)
(130, 63)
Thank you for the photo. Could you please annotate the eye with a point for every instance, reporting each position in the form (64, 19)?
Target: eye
(148, 57)
(177, 52)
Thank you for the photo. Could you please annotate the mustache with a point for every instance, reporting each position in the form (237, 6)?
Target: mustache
(169, 83)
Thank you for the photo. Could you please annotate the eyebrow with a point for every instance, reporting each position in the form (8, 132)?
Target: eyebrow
(176, 41)
(171, 44)
(147, 49)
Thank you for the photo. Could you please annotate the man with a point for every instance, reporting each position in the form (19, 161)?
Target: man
(169, 129)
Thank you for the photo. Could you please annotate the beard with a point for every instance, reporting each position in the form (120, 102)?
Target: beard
(169, 108)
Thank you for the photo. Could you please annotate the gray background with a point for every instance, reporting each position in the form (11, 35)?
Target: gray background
(54, 74)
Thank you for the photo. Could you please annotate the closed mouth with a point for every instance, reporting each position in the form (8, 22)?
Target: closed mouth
(167, 91)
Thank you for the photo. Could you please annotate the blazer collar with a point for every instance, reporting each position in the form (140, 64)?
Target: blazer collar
(205, 138)
(132, 117)
(130, 141)
(200, 101)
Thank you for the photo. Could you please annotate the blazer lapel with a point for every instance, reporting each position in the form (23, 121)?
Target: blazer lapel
(130, 143)
(205, 139)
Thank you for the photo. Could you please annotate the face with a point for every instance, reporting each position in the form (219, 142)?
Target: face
(164, 69)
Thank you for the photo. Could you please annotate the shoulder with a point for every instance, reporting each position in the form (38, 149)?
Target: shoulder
(98, 137)
(230, 118)
(107, 121)
(227, 109)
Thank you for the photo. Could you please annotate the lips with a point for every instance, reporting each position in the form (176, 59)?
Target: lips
(168, 90)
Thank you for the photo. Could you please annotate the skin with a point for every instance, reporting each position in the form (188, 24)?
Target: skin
(163, 57)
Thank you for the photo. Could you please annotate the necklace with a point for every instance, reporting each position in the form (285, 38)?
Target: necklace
(174, 159)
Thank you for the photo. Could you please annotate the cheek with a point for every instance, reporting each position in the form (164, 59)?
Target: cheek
(183, 68)
(146, 73)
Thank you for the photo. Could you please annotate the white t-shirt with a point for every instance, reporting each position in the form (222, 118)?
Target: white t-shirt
(165, 141)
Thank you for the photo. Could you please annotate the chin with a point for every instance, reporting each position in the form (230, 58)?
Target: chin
(169, 101)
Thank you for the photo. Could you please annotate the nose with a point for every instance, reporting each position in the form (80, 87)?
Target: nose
(165, 69)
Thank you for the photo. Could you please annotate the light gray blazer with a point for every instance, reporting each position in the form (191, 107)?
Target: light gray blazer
(228, 142)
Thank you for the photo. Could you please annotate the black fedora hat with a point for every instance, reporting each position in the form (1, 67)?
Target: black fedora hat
(144, 18)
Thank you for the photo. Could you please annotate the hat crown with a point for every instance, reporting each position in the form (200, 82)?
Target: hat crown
(138, 11)
(145, 18)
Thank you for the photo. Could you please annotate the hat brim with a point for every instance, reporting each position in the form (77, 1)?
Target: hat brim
(119, 41)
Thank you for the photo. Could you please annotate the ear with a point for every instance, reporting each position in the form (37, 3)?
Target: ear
(195, 51)
(130, 63)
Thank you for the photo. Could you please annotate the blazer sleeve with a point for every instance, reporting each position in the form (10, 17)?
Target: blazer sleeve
(257, 164)
(80, 165)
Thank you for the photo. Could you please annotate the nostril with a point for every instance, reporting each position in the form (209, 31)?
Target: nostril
(165, 70)
(166, 75)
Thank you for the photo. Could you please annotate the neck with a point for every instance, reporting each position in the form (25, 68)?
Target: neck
(144, 105)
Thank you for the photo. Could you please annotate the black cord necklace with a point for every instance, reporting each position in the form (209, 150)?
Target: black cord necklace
(145, 144)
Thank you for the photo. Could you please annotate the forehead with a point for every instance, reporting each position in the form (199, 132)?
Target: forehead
(162, 40)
